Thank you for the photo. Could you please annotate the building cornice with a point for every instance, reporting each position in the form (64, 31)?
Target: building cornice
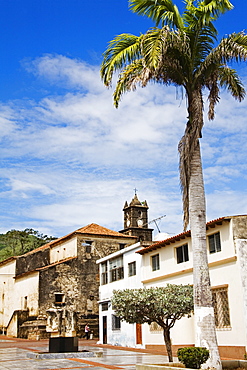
(190, 270)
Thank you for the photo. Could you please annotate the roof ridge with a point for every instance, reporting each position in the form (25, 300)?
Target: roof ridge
(92, 228)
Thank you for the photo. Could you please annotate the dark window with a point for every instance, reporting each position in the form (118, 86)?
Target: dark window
(122, 245)
(182, 253)
(104, 306)
(59, 298)
(132, 268)
(104, 273)
(141, 238)
(221, 307)
(25, 303)
(155, 262)
(214, 243)
(116, 323)
(116, 269)
(88, 245)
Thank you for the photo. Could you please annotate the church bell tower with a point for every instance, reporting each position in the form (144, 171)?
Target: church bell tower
(136, 220)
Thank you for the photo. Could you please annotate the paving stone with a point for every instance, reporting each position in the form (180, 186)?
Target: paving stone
(16, 358)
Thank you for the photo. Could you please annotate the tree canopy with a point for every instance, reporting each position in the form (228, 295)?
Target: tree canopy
(162, 305)
(17, 242)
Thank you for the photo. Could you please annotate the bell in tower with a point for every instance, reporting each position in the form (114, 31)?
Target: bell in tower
(136, 220)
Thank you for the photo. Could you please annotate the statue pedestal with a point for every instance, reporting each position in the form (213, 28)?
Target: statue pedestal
(63, 344)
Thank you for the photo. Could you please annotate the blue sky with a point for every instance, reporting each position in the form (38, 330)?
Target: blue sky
(68, 157)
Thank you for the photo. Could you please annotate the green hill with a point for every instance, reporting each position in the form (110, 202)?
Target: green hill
(17, 242)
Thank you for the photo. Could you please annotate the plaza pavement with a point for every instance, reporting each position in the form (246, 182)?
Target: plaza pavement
(14, 356)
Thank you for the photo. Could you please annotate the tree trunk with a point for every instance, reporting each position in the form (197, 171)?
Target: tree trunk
(167, 338)
(241, 246)
(203, 309)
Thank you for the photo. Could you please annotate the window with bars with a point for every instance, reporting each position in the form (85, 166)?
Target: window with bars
(182, 253)
(132, 268)
(116, 323)
(221, 307)
(116, 269)
(104, 273)
(214, 243)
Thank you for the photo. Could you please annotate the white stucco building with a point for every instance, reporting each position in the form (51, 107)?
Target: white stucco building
(120, 271)
(170, 261)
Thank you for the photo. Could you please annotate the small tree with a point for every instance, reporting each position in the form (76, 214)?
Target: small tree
(163, 305)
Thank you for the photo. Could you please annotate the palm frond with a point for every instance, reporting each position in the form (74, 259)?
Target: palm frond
(170, 72)
(232, 48)
(212, 9)
(229, 79)
(213, 97)
(162, 12)
(202, 34)
(130, 77)
(122, 50)
(202, 42)
(153, 47)
(158, 44)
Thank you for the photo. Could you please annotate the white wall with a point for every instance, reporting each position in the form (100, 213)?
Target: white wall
(64, 250)
(7, 273)
(224, 271)
(12, 295)
(241, 246)
(168, 262)
(126, 336)
(26, 293)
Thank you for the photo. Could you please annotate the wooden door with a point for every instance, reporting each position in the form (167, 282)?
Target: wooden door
(138, 334)
(104, 329)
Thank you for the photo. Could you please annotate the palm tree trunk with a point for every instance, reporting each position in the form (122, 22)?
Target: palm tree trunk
(167, 339)
(204, 313)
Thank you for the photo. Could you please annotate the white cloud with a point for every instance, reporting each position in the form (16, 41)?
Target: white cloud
(23, 187)
(7, 121)
(226, 203)
(59, 69)
(72, 158)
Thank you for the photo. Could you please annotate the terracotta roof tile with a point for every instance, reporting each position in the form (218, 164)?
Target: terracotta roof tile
(99, 230)
(183, 235)
(92, 229)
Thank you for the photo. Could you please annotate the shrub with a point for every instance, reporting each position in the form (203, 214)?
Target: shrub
(193, 357)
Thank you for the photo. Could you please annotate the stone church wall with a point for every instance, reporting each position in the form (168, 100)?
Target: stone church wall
(77, 281)
(32, 261)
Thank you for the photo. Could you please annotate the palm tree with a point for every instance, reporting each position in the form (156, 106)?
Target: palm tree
(181, 50)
